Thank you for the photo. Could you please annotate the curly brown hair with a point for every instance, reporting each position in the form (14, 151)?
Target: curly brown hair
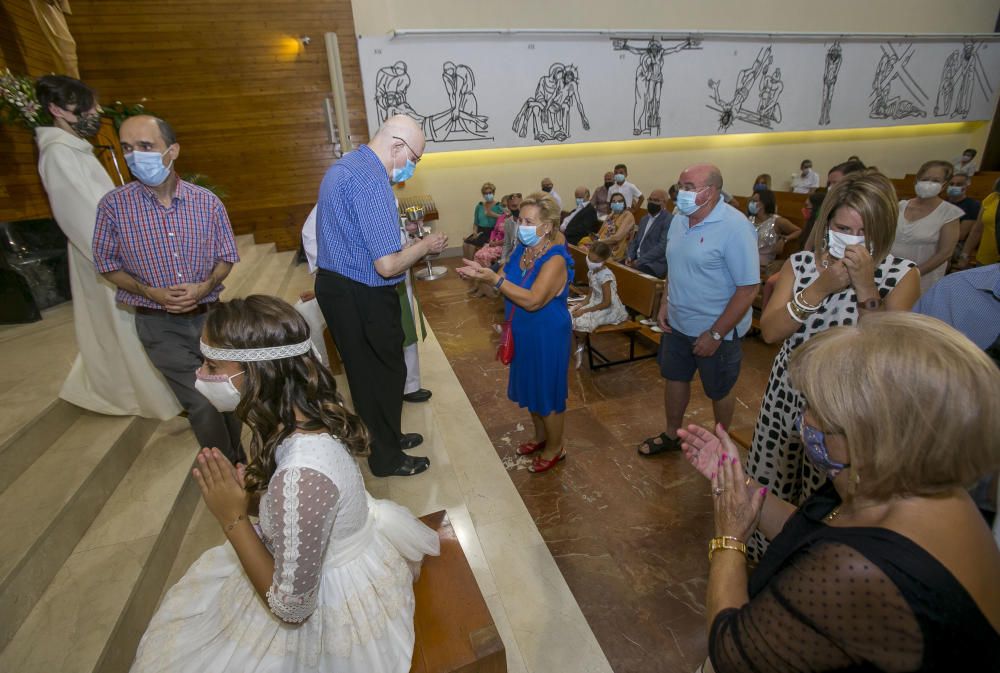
(274, 390)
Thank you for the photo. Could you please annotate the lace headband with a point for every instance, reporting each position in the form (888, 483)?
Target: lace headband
(256, 354)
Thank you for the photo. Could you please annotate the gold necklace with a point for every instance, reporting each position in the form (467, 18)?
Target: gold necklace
(534, 257)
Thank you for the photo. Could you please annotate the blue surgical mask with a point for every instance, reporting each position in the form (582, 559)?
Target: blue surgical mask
(580, 202)
(752, 207)
(148, 168)
(617, 207)
(955, 190)
(619, 178)
(686, 201)
(814, 442)
(760, 187)
(403, 174)
(528, 234)
(488, 196)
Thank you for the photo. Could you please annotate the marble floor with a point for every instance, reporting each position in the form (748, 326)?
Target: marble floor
(629, 534)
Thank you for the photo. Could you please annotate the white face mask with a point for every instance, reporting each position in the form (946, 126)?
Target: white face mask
(594, 266)
(837, 243)
(927, 189)
(218, 389)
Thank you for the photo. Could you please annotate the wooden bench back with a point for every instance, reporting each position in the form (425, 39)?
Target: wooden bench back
(788, 204)
(638, 291)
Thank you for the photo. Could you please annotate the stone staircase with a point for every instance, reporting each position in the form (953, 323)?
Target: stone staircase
(95, 507)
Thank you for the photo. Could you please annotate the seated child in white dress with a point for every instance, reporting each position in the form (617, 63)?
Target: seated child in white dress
(601, 305)
(326, 581)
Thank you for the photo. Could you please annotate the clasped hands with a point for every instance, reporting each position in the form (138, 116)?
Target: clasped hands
(738, 504)
(180, 298)
(221, 485)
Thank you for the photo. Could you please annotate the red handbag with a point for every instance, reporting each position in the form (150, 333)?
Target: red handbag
(505, 351)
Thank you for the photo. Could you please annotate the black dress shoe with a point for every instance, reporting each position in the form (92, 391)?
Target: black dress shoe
(410, 466)
(410, 440)
(421, 395)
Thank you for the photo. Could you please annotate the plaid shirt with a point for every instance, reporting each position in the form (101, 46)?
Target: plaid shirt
(356, 218)
(160, 246)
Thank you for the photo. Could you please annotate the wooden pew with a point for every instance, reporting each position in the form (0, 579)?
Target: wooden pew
(638, 291)
(455, 632)
(982, 184)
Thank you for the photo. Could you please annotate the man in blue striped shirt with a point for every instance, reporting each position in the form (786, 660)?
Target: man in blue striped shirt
(361, 260)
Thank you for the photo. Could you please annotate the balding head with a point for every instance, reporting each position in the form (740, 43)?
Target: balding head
(582, 193)
(399, 139)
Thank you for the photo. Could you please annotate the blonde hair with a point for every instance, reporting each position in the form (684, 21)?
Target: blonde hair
(937, 163)
(548, 210)
(917, 403)
(488, 186)
(872, 195)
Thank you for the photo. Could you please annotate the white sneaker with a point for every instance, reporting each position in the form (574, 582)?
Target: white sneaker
(578, 356)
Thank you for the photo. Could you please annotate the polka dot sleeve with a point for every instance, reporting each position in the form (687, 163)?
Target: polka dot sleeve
(305, 504)
(830, 608)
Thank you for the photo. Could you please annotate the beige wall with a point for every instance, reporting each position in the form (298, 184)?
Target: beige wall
(454, 178)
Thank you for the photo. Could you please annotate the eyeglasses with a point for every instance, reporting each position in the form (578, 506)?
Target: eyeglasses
(416, 157)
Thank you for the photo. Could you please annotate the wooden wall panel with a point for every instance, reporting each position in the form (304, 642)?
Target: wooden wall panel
(24, 50)
(245, 99)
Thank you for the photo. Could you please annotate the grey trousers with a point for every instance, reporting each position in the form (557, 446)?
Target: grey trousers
(171, 341)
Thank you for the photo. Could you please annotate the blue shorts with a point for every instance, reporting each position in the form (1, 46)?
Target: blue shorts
(718, 373)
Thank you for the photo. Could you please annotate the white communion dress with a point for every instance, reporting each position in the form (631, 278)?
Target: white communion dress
(112, 373)
(341, 600)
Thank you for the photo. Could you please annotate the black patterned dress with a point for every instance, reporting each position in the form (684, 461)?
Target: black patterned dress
(776, 458)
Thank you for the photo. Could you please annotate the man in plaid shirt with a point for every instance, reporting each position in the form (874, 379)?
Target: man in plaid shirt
(167, 245)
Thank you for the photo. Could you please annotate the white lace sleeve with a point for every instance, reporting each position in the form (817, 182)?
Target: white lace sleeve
(304, 503)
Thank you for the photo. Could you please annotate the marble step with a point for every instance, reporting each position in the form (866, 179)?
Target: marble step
(52, 503)
(270, 273)
(100, 601)
(243, 272)
(27, 443)
(259, 258)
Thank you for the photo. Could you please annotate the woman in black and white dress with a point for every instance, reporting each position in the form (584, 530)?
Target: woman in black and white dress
(850, 274)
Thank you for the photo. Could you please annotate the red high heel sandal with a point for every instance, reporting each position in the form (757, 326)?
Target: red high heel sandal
(542, 465)
(529, 447)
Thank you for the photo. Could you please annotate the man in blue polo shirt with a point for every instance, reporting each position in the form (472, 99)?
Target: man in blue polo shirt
(714, 274)
(361, 260)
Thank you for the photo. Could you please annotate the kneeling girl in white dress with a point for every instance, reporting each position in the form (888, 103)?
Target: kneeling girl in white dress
(325, 583)
(601, 305)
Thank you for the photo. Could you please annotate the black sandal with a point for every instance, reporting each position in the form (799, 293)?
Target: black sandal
(666, 444)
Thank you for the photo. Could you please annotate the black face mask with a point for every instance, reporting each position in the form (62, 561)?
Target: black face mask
(514, 212)
(87, 126)
(608, 183)
(653, 208)
(547, 189)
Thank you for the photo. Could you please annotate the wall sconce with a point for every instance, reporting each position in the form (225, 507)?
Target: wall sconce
(305, 40)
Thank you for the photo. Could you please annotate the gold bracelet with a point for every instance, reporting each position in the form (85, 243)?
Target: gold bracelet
(726, 542)
(229, 526)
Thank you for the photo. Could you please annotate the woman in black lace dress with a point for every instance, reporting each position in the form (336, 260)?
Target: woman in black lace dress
(889, 565)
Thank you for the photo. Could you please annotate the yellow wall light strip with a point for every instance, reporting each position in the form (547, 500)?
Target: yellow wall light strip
(729, 140)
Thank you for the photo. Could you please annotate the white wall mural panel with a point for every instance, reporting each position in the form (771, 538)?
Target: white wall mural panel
(485, 90)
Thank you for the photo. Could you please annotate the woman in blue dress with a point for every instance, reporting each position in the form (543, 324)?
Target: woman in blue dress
(534, 284)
